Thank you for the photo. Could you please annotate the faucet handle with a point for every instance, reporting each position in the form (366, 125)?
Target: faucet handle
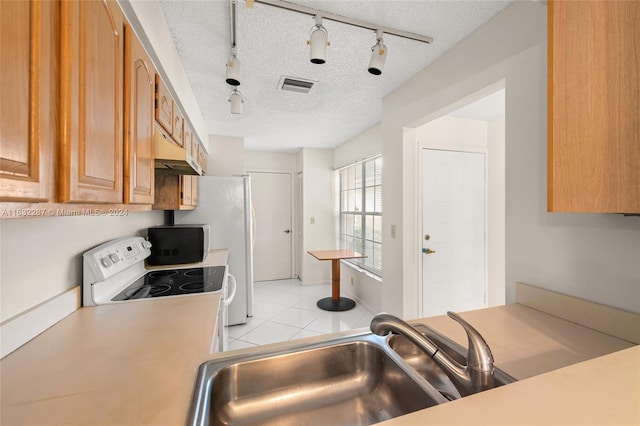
(479, 356)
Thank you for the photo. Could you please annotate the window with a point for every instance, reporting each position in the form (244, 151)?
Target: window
(361, 212)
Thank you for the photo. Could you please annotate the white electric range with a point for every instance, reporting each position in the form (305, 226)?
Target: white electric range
(114, 272)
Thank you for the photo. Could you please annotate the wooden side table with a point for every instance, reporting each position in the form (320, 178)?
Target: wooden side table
(335, 302)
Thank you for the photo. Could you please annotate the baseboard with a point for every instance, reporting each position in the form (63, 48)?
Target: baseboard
(605, 319)
(312, 283)
(365, 305)
(18, 330)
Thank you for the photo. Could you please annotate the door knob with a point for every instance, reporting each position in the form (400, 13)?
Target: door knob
(286, 231)
(428, 251)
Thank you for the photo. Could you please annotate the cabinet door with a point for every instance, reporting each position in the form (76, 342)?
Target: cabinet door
(594, 106)
(178, 123)
(194, 190)
(28, 79)
(138, 122)
(188, 140)
(175, 192)
(164, 106)
(185, 190)
(91, 101)
(202, 158)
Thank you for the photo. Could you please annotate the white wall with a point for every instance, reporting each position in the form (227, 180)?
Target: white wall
(366, 289)
(318, 204)
(274, 161)
(496, 289)
(226, 156)
(42, 258)
(364, 145)
(591, 256)
(452, 132)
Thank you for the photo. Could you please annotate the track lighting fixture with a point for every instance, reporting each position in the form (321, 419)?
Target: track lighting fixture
(235, 101)
(378, 55)
(318, 36)
(233, 68)
(318, 42)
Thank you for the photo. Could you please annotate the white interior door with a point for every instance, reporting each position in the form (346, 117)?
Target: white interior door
(271, 196)
(453, 224)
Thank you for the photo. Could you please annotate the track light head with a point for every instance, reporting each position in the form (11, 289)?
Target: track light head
(378, 55)
(233, 69)
(318, 42)
(235, 101)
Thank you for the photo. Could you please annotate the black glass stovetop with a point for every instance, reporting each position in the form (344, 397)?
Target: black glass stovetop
(174, 282)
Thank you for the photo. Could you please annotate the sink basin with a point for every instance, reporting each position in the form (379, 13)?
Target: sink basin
(428, 369)
(354, 380)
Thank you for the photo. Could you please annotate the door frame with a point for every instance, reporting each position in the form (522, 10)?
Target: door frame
(298, 220)
(421, 145)
(294, 225)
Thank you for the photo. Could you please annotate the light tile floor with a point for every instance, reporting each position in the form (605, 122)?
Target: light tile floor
(286, 310)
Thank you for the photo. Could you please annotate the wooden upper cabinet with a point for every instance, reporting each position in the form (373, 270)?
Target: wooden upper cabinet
(164, 106)
(187, 137)
(91, 92)
(28, 81)
(186, 185)
(202, 158)
(139, 95)
(176, 192)
(194, 190)
(178, 123)
(594, 106)
(190, 144)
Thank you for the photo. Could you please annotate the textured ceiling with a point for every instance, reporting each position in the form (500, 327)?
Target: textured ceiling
(272, 43)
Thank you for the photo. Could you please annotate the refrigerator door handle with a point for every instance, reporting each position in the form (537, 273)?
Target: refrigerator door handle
(234, 287)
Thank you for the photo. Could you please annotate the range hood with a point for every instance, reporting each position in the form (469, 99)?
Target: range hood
(171, 158)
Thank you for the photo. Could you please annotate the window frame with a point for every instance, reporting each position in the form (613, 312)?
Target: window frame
(365, 234)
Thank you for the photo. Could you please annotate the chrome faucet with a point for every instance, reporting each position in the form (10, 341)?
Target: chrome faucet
(475, 376)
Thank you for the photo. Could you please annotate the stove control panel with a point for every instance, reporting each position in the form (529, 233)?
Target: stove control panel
(113, 257)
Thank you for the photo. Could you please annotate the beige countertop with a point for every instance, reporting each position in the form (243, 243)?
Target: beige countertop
(131, 363)
(602, 391)
(136, 363)
(526, 342)
(567, 374)
(120, 364)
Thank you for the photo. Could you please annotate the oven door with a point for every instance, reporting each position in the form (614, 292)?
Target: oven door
(228, 294)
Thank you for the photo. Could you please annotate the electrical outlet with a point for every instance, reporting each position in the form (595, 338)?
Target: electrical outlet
(313, 220)
(351, 280)
(393, 231)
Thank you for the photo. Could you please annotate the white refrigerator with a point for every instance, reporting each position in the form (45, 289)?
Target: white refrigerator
(225, 204)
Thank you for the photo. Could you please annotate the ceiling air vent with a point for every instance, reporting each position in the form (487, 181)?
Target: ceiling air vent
(293, 84)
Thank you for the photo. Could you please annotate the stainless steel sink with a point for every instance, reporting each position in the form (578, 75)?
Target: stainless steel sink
(354, 380)
(428, 369)
(358, 379)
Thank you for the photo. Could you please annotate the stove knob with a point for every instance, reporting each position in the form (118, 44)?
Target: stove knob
(106, 262)
(114, 258)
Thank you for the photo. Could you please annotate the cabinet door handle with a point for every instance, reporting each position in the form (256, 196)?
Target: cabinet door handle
(287, 231)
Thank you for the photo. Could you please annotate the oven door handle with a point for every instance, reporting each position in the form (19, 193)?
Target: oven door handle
(234, 287)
